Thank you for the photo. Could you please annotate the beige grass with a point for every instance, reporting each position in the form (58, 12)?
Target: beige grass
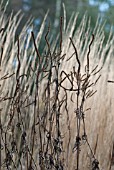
(99, 120)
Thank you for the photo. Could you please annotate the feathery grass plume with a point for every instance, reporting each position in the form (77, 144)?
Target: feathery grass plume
(100, 121)
(56, 107)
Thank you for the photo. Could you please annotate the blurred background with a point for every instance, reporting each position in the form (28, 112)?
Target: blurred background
(38, 8)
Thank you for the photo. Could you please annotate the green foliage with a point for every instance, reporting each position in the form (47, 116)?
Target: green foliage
(37, 9)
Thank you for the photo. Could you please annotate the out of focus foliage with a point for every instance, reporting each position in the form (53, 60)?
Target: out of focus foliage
(38, 9)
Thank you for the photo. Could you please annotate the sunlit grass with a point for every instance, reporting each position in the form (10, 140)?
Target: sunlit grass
(35, 107)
